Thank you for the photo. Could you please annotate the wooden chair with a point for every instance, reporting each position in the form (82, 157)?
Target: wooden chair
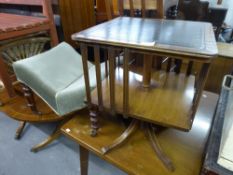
(55, 76)
(136, 8)
(14, 26)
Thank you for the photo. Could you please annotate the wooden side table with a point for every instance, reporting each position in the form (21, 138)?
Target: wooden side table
(159, 98)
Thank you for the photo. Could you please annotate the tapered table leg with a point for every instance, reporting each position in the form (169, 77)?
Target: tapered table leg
(84, 155)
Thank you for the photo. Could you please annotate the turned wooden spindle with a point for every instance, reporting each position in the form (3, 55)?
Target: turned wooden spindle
(92, 110)
(28, 94)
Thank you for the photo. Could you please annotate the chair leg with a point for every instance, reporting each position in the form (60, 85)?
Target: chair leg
(28, 94)
(150, 133)
(84, 156)
(120, 140)
(20, 130)
(1, 103)
(50, 139)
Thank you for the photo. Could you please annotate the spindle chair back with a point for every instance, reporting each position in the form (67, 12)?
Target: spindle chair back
(135, 8)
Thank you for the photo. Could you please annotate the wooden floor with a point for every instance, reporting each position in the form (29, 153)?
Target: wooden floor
(167, 103)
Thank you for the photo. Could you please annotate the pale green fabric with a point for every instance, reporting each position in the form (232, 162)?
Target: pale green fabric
(57, 77)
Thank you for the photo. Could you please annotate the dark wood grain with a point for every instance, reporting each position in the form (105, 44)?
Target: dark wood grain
(72, 21)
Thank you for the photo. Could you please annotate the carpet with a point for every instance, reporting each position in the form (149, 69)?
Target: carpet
(59, 158)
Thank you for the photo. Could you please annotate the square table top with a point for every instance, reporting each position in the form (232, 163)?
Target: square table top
(180, 37)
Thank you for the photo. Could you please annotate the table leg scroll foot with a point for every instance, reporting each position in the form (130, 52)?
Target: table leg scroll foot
(150, 133)
(20, 130)
(120, 140)
(50, 139)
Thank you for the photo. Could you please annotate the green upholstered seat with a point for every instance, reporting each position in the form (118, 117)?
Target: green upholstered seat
(57, 77)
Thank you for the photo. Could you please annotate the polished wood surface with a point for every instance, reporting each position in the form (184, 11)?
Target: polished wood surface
(225, 50)
(169, 104)
(76, 16)
(185, 149)
(133, 33)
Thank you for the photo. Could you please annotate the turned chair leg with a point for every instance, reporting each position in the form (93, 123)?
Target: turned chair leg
(28, 94)
(84, 155)
(20, 129)
(93, 112)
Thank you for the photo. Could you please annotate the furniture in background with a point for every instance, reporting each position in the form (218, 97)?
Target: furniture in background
(13, 26)
(151, 5)
(194, 10)
(162, 98)
(223, 111)
(17, 25)
(76, 16)
(217, 15)
(221, 66)
(139, 8)
(136, 157)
